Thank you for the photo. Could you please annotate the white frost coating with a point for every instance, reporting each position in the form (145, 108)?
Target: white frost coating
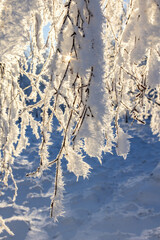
(78, 79)
(15, 20)
(76, 164)
(155, 120)
(123, 144)
(132, 57)
(142, 31)
(13, 25)
(153, 68)
(3, 227)
(39, 31)
(57, 201)
(99, 65)
(94, 142)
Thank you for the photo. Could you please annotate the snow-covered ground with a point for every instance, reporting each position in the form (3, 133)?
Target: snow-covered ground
(119, 201)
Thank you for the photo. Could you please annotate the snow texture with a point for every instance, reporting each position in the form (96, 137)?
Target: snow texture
(98, 66)
(120, 200)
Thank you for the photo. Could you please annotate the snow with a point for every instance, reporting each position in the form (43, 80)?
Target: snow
(119, 200)
(89, 83)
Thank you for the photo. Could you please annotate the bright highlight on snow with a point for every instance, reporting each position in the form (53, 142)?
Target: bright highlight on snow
(67, 58)
(115, 76)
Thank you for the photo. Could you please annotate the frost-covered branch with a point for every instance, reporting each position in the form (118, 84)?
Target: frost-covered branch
(98, 64)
